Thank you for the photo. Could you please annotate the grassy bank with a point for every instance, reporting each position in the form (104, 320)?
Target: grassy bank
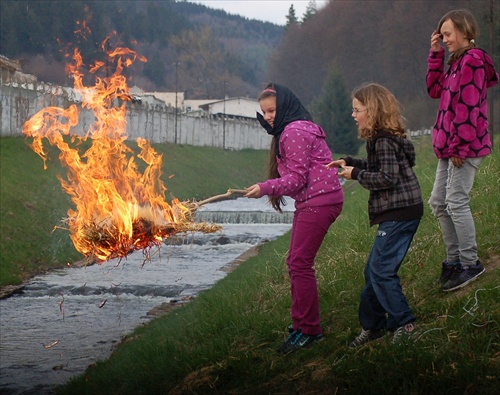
(224, 341)
(32, 202)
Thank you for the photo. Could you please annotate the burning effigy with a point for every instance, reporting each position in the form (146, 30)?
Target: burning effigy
(118, 209)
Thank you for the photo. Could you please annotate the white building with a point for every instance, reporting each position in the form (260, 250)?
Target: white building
(232, 108)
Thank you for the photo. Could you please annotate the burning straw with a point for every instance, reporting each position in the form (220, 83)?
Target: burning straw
(118, 209)
(103, 241)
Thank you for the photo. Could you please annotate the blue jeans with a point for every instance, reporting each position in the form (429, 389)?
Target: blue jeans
(383, 304)
(449, 202)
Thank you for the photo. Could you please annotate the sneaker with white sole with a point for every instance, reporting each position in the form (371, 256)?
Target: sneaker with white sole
(366, 336)
(288, 341)
(463, 276)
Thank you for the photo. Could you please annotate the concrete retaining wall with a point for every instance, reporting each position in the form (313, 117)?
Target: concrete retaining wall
(153, 122)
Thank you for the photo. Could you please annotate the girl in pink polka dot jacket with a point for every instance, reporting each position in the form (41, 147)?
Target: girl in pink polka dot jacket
(460, 139)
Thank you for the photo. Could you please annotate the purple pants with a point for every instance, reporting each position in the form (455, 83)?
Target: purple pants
(308, 231)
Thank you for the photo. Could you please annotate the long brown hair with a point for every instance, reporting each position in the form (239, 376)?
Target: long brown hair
(383, 111)
(276, 202)
(466, 24)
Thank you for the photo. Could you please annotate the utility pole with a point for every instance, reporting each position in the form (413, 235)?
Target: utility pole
(224, 118)
(176, 65)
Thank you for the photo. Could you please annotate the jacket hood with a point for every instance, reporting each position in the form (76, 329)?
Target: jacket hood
(405, 144)
(311, 128)
(491, 75)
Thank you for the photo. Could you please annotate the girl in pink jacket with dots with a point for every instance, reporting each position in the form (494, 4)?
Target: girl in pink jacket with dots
(299, 155)
(460, 138)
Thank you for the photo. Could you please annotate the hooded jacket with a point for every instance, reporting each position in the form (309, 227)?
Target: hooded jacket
(387, 173)
(288, 109)
(304, 177)
(461, 128)
(302, 155)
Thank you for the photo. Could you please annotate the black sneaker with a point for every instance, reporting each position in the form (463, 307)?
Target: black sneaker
(403, 332)
(447, 271)
(366, 336)
(463, 276)
(301, 340)
(288, 341)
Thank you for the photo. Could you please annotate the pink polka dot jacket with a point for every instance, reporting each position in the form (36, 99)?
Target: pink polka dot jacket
(301, 165)
(461, 128)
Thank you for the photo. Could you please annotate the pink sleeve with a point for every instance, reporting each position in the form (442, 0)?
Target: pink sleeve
(435, 68)
(295, 146)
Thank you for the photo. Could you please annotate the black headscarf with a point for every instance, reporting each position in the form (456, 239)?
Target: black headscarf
(288, 109)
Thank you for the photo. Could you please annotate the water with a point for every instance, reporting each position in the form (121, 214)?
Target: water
(65, 321)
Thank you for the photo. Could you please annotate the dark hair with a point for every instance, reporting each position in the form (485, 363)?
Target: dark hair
(269, 91)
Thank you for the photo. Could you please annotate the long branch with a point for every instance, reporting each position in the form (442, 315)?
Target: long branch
(220, 197)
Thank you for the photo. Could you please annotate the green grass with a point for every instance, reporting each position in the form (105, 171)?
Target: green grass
(224, 341)
(32, 202)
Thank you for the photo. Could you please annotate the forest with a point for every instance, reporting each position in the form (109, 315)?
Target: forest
(202, 51)
(376, 41)
(208, 53)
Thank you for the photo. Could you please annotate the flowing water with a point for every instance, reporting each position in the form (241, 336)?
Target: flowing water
(62, 322)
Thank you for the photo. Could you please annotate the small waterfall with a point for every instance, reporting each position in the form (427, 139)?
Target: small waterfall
(246, 211)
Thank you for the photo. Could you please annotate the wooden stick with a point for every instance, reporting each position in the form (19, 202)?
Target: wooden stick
(220, 197)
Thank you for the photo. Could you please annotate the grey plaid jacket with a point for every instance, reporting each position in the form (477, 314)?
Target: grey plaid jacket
(388, 174)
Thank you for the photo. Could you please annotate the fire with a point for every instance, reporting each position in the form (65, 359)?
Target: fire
(118, 208)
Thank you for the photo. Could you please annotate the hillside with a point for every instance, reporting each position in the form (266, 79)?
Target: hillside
(212, 46)
(216, 53)
(378, 41)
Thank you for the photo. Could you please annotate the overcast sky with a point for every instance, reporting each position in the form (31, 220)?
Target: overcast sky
(274, 11)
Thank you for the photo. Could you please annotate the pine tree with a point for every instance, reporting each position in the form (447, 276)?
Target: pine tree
(311, 10)
(332, 111)
(291, 18)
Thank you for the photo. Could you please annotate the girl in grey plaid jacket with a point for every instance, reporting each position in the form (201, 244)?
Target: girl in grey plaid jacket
(395, 205)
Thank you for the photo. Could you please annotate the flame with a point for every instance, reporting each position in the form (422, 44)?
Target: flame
(118, 208)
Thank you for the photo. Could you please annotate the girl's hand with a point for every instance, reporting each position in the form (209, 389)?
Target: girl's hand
(336, 163)
(253, 192)
(435, 36)
(457, 162)
(346, 172)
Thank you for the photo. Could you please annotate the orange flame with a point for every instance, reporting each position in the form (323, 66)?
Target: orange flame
(118, 209)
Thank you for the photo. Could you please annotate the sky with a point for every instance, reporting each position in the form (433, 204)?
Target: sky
(274, 11)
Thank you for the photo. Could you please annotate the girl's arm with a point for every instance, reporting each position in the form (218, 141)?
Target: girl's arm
(387, 175)
(435, 75)
(360, 163)
(296, 147)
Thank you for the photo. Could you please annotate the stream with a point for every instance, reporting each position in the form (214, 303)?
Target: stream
(62, 322)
